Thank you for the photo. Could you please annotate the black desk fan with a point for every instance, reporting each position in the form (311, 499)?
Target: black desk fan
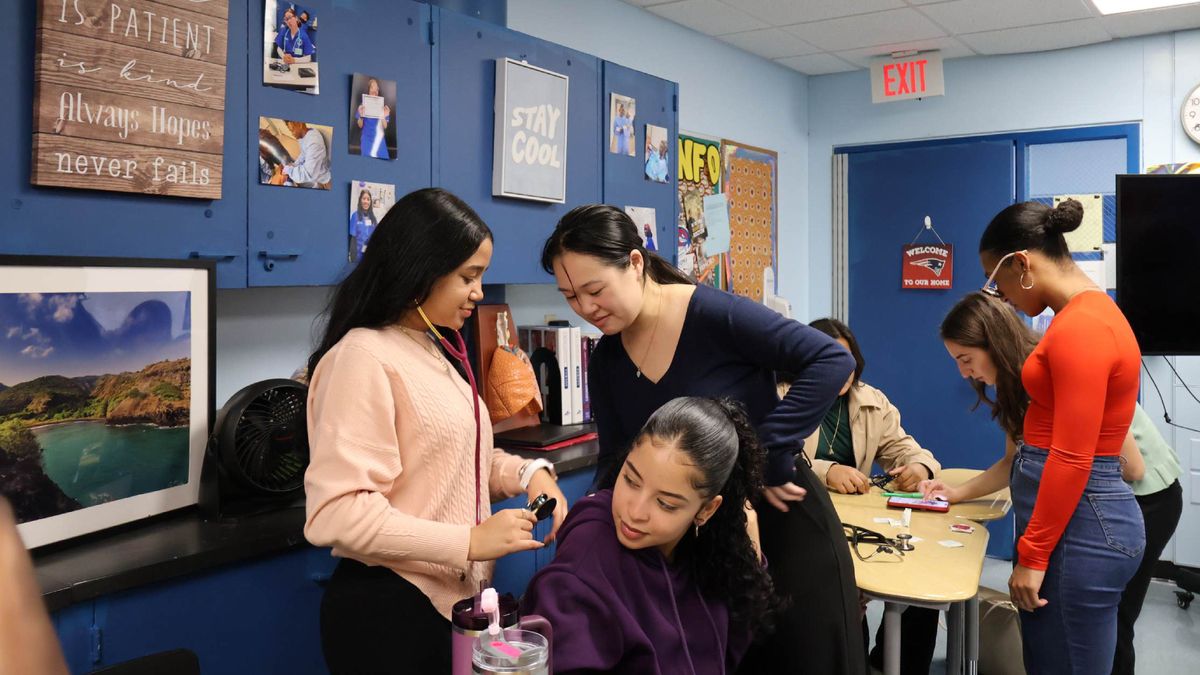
(258, 451)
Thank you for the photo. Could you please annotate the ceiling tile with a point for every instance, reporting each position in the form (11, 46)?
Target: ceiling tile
(1037, 38)
(785, 12)
(817, 64)
(867, 30)
(974, 16)
(950, 48)
(708, 16)
(770, 43)
(1154, 21)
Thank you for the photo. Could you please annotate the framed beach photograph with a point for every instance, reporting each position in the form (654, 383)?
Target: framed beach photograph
(106, 390)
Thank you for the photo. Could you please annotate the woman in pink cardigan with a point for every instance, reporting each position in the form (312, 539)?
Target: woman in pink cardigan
(402, 467)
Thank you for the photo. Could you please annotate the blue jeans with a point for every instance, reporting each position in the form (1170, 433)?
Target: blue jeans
(1101, 548)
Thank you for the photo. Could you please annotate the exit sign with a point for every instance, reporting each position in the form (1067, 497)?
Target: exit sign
(908, 77)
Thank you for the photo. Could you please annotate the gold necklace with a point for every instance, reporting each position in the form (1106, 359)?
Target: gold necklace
(653, 331)
(836, 427)
(426, 346)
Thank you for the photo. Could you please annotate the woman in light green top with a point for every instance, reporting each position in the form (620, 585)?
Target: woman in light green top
(1161, 498)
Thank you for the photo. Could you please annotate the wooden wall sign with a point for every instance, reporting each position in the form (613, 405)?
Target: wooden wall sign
(129, 95)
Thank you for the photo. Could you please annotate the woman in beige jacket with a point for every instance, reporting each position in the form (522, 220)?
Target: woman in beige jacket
(863, 428)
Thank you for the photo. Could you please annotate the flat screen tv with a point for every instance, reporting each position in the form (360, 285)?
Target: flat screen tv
(1158, 251)
(106, 382)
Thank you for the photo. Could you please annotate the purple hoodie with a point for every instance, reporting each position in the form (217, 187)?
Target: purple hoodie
(615, 609)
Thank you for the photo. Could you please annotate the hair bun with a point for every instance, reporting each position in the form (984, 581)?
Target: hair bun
(1065, 217)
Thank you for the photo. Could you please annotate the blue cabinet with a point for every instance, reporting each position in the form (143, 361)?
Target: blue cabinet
(625, 181)
(465, 53)
(63, 221)
(301, 236)
(260, 616)
(513, 572)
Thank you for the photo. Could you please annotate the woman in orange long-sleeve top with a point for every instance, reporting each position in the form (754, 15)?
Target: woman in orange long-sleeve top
(1079, 530)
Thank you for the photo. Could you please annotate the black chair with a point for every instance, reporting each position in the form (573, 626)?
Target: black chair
(173, 662)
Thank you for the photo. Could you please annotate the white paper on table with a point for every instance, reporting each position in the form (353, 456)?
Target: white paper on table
(1090, 235)
(1110, 263)
(1095, 269)
(950, 543)
(372, 106)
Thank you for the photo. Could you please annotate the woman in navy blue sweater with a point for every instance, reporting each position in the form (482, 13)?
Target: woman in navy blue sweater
(665, 337)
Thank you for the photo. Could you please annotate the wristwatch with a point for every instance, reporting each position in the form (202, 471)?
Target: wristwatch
(531, 467)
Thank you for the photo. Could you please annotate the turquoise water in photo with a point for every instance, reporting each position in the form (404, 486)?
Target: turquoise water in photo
(95, 463)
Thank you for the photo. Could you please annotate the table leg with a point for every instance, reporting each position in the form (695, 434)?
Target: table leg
(954, 638)
(891, 642)
(972, 636)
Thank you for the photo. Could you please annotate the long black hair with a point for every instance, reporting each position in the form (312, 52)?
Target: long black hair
(1033, 226)
(718, 438)
(369, 213)
(608, 234)
(993, 326)
(424, 236)
(836, 329)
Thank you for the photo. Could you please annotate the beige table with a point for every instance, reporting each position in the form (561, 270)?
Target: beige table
(989, 507)
(930, 576)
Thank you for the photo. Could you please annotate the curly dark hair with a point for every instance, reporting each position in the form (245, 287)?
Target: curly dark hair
(717, 436)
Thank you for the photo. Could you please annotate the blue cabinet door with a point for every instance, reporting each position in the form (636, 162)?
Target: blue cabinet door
(301, 236)
(960, 186)
(466, 51)
(513, 572)
(625, 181)
(255, 617)
(63, 221)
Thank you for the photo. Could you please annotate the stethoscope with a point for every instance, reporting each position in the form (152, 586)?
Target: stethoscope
(459, 352)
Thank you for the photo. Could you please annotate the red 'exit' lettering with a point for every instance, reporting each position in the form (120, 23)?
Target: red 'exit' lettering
(909, 78)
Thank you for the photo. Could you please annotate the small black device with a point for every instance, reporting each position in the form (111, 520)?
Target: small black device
(880, 480)
(542, 506)
(307, 72)
(279, 66)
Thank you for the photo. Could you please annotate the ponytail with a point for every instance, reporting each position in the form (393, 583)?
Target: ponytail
(719, 439)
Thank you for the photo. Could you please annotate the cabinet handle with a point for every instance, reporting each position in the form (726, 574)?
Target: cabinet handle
(269, 257)
(218, 257)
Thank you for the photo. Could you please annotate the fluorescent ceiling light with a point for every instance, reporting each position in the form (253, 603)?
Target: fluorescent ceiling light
(1121, 6)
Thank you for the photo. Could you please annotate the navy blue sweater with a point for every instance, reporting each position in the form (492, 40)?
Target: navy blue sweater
(730, 346)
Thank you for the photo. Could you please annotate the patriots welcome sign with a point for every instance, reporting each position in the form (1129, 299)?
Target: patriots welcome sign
(927, 266)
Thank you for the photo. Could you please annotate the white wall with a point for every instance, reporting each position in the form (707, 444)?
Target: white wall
(1137, 80)
(723, 92)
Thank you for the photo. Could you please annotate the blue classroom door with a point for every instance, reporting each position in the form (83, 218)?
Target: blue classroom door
(960, 186)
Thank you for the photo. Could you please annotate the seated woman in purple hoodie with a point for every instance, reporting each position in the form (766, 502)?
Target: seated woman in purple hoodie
(662, 574)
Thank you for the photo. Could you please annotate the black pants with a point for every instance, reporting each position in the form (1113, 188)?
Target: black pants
(809, 561)
(1161, 512)
(918, 638)
(369, 615)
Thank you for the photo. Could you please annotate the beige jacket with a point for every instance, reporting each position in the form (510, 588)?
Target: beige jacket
(877, 436)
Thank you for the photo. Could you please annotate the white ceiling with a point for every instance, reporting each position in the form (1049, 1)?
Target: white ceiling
(831, 36)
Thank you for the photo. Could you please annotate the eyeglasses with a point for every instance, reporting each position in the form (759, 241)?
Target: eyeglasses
(888, 550)
(989, 286)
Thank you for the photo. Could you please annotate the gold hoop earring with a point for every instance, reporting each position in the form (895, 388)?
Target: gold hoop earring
(1022, 280)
